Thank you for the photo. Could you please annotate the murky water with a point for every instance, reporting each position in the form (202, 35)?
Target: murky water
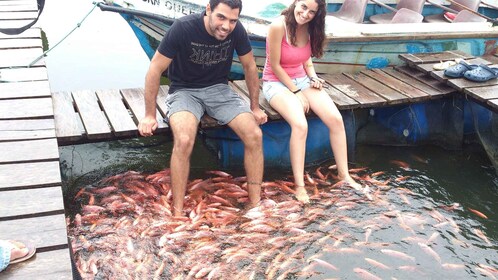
(419, 205)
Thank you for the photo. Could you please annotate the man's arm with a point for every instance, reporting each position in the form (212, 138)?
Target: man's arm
(252, 82)
(158, 65)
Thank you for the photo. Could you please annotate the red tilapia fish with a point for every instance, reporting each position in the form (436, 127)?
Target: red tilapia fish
(125, 229)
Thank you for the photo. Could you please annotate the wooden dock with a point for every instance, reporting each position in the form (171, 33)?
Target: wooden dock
(102, 115)
(484, 93)
(31, 201)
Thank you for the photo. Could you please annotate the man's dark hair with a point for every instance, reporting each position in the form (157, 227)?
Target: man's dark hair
(234, 4)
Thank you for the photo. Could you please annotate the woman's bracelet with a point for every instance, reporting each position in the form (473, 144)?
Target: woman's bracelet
(296, 91)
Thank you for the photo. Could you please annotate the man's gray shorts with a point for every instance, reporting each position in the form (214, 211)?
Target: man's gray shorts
(218, 101)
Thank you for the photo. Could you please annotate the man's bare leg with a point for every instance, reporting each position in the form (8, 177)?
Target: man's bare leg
(249, 132)
(184, 127)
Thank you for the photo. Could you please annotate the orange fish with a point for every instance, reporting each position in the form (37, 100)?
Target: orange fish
(400, 163)
(478, 213)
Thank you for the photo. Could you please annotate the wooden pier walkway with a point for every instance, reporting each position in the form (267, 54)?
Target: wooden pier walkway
(31, 201)
(90, 116)
(484, 93)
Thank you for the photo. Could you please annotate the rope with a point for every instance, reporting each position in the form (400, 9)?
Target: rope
(47, 51)
(70, 32)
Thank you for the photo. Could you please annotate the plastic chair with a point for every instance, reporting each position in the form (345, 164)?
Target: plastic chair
(405, 15)
(466, 16)
(351, 10)
(471, 4)
(414, 5)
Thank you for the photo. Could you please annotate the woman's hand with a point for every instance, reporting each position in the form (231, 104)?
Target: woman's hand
(304, 101)
(318, 83)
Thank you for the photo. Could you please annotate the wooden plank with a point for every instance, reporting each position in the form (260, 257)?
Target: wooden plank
(22, 125)
(483, 94)
(23, 74)
(27, 175)
(66, 123)
(20, 57)
(412, 71)
(26, 108)
(426, 79)
(429, 67)
(413, 82)
(21, 43)
(30, 33)
(14, 23)
(493, 103)
(342, 101)
(29, 15)
(24, 90)
(354, 90)
(45, 232)
(19, 8)
(493, 59)
(118, 116)
(32, 202)
(12, 135)
(32, 150)
(462, 83)
(392, 96)
(413, 93)
(45, 265)
(94, 120)
(134, 98)
(418, 58)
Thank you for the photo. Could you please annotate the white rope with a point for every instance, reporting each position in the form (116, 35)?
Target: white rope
(47, 51)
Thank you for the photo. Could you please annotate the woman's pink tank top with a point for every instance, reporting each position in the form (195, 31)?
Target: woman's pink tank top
(291, 59)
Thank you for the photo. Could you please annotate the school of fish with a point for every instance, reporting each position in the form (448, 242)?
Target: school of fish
(125, 230)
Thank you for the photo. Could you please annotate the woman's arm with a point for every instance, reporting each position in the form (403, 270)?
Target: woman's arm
(310, 71)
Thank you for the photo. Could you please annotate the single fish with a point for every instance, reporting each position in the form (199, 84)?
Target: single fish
(325, 264)
(397, 254)
(429, 251)
(363, 274)
(377, 264)
(478, 213)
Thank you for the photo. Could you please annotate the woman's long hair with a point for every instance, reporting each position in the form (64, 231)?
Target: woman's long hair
(316, 27)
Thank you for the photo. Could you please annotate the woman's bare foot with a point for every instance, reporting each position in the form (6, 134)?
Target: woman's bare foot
(302, 195)
(19, 250)
(352, 183)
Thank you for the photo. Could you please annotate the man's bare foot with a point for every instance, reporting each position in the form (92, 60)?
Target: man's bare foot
(302, 195)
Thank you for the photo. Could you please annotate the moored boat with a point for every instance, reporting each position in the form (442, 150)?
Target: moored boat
(350, 46)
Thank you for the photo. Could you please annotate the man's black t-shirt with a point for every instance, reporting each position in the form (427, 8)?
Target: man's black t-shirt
(199, 59)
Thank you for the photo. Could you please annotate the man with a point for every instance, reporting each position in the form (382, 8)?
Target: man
(197, 51)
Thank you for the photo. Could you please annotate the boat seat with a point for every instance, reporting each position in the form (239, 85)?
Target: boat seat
(413, 5)
(351, 10)
(471, 4)
(405, 15)
(466, 16)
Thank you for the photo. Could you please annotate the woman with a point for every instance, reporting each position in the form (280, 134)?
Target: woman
(291, 86)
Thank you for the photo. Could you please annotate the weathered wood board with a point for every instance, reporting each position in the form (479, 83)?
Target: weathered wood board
(29, 175)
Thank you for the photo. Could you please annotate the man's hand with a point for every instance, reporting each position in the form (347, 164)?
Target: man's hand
(147, 126)
(260, 116)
